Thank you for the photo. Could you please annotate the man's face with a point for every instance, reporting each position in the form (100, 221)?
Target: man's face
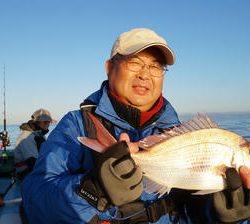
(140, 89)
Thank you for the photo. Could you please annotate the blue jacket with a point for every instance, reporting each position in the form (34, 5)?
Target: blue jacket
(49, 191)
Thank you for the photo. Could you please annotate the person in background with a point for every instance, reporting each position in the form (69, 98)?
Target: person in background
(29, 141)
(73, 184)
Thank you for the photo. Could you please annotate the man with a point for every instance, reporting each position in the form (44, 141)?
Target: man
(73, 184)
(29, 141)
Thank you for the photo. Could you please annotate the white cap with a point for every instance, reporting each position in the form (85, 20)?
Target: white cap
(139, 39)
(42, 115)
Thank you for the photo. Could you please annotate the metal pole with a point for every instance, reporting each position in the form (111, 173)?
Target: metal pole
(4, 137)
(4, 101)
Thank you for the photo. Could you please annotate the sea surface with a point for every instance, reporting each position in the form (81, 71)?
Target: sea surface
(236, 122)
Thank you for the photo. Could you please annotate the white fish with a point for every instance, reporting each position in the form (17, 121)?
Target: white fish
(192, 156)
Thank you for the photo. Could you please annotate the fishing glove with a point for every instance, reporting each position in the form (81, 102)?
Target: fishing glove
(115, 179)
(232, 204)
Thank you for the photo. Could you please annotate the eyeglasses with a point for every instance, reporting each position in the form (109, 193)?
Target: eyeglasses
(135, 64)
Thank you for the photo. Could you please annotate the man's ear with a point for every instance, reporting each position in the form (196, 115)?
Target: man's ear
(108, 65)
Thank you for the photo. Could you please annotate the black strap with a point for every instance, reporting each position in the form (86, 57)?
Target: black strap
(157, 209)
(89, 127)
(139, 212)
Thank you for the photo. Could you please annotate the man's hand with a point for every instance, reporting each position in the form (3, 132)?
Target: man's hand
(244, 173)
(133, 147)
(233, 204)
(115, 179)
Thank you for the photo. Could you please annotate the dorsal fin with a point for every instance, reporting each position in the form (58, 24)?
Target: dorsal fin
(198, 122)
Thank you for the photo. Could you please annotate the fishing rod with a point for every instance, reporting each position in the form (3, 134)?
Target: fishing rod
(6, 161)
(4, 142)
(4, 134)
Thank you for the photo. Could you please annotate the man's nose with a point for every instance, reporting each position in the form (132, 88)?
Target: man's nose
(144, 73)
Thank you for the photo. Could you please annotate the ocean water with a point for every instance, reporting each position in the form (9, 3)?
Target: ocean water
(14, 132)
(236, 122)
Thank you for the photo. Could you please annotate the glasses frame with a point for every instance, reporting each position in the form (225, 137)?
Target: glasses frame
(126, 59)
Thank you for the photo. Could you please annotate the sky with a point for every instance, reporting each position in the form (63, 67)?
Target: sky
(54, 52)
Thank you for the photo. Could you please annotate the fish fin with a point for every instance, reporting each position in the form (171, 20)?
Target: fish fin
(148, 142)
(92, 143)
(203, 192)
(207, 120)
(198, 122)
(102, 134)
(103, 138)
(151, 186)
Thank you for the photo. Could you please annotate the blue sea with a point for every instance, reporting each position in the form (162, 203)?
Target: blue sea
(236, 122)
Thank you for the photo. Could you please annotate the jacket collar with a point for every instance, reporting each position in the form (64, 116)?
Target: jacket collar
(167, 117)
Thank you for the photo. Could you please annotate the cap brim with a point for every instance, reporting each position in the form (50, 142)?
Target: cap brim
(44, 117)
(168, 53)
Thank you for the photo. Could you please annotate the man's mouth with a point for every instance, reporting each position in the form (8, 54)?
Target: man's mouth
(140, 89)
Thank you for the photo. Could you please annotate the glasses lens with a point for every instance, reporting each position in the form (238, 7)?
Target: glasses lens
(134, 66)
(156, 70)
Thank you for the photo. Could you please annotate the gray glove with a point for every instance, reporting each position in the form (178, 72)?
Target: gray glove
(232, 204)
(115, 179)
